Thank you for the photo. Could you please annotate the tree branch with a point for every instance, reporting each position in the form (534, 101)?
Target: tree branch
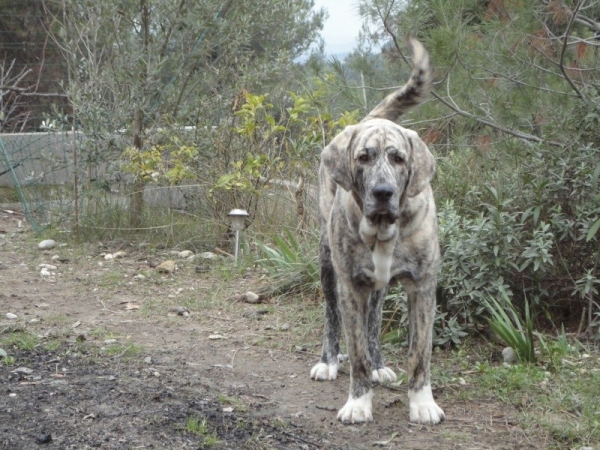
(495, 126)
(454, 107)
(564, 49)
(591, 24)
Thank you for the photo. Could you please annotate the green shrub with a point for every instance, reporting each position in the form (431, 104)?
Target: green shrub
(292, 264)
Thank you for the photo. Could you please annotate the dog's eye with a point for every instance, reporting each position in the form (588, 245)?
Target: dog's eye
(398, 159)
(363, 158)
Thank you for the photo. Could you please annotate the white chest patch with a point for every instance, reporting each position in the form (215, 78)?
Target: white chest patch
(382, 238)
(382, 260)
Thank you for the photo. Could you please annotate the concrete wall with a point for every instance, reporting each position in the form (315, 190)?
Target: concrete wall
(45, 158)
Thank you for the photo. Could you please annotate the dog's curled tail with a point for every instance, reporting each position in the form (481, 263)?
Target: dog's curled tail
(415, 91)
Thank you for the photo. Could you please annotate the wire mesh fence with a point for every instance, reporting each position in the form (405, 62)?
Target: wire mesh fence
(38, 170)
(61, 186)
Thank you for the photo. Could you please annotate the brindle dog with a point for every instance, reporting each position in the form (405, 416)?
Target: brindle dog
(378, 226)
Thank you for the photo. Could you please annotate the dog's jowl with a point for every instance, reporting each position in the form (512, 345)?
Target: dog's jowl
(378, 227)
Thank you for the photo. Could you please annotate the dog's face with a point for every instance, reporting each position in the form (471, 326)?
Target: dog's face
(380, 163)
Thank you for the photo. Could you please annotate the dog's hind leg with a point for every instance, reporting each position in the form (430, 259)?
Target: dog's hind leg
(327, 368)
(421, 311)
(380, 373)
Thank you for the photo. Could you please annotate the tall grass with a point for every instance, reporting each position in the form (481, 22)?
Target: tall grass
(509, 326)
(292, 264)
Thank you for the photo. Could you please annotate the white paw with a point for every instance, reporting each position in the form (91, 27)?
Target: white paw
(324, 372)
(357, 410)
(423, 408)
(383, 375)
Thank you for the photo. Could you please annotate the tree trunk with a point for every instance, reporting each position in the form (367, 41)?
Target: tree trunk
(137, 198)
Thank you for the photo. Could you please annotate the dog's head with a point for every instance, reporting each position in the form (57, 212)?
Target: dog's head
(380, 162)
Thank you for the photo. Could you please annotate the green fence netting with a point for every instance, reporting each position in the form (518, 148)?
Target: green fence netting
(36, 169)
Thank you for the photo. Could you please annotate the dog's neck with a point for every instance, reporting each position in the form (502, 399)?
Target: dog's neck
(383, 233)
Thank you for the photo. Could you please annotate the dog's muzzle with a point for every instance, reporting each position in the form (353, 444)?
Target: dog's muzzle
(385, 204)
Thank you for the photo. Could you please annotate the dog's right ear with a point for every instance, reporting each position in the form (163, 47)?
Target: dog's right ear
(337, 157)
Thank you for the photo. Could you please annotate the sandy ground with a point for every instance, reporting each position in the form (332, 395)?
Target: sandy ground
(244, 377)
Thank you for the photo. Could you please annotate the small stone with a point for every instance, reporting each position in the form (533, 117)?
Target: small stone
(257, 313)
(47, 266)
(208, 255)
(47, 244)
(45, 272)
(284, 327)
(11, 316)
(462, 381)
(586, 448)
(44, 438)
(166, 267)
(76, 324)
(119, 254)
(110, 341)
(185, 254)
(140, 277)
(23, 371)
(215, 337)
(55, 258)
(251, 297)
(181, 311)
(3, 353)
(12, 395)
(509, 356)
(148, 359)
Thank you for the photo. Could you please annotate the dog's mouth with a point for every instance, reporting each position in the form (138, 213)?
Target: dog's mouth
(383, 217)
(382, 210)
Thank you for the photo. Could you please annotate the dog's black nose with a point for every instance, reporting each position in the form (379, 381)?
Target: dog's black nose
(383, 191)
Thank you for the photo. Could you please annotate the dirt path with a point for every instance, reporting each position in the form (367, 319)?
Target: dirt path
(112, 365)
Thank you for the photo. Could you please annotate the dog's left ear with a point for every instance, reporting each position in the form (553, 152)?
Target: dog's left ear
(337, 156)
(422, 166)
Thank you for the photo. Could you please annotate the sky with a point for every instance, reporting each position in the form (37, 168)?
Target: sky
(342, 26)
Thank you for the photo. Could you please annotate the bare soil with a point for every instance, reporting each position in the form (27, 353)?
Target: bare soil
(242, 375)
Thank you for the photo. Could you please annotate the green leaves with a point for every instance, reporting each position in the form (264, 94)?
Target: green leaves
(508, 325)
(593, 230)
(292, 265)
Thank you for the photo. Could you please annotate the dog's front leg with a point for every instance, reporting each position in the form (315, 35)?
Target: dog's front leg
(380, 373)
(327, 368)
(355, 315)
(421, 310)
